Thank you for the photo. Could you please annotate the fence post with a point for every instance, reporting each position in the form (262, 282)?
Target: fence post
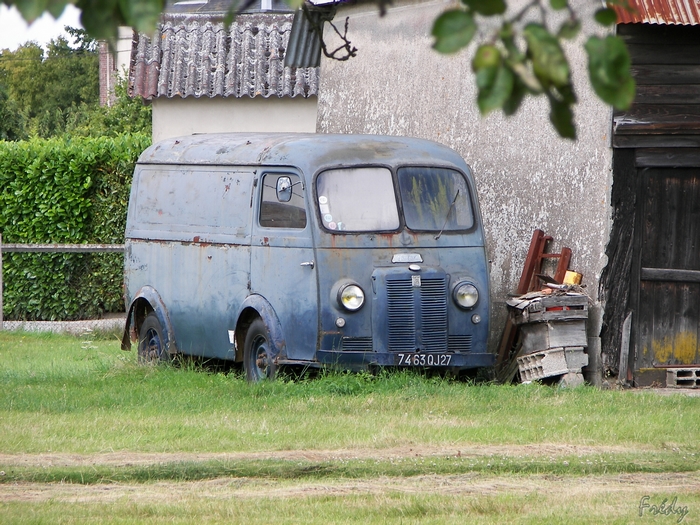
(0, 282)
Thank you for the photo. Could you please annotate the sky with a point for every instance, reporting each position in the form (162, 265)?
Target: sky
(14, 31)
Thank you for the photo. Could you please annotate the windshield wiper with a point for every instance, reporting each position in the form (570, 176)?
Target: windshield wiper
(447, 216)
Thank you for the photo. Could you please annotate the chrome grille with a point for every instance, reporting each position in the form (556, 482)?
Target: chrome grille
(460, 343)
(401, 315)
(417, 316)
(357, 344)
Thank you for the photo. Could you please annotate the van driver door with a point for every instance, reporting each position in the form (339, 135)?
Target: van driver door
(282, 266)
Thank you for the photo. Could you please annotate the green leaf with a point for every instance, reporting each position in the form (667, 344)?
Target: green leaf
(562, 118)
(493, 79)
(569, 29)
(566, 93)
(605, 16)
(526, 77)
(495, 88)
(142, 15)
(507, 36)
(486, 7)
(100, 23)
(558, 4)
(56, 8)
(548, 60)
(609, 68)
(30, 9)
(511, 105)
(453, 30)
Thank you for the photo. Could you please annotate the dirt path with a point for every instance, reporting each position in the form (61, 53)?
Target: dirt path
(566, 486)
(463, 484)
(118, 459)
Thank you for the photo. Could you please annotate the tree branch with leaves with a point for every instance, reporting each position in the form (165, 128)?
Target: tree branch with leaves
(524, 56)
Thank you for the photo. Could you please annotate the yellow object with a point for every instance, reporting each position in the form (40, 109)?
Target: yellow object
(573, 278)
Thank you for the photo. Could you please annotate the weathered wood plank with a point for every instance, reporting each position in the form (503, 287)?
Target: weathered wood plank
(649, 117)
(685, 94)
(678, 157)
(670, 53)
(670, 274)
(543, 336)
(649, 140)
(661, 35)
(617, 278)
(665, 74)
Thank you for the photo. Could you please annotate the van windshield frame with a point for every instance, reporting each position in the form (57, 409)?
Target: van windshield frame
(373, 199)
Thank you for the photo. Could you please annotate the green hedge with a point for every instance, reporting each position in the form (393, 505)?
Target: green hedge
(65, 191)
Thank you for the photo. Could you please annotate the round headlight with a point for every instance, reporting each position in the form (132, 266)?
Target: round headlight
(465, 295)
(351, 297)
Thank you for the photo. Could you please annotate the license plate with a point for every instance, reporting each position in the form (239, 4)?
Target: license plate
(423, 359)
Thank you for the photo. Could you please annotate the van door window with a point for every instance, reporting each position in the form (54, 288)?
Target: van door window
(278, 211)
(435, 199)
(357, 199)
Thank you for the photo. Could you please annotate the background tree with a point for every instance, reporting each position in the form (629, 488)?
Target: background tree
(125, 115)
(46, 87)
(12, 124)
(47, 94)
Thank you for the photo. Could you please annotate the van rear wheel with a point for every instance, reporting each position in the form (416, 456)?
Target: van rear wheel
(257, 355)
(151, 342)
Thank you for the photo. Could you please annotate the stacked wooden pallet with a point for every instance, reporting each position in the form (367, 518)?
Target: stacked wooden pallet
(553, 337)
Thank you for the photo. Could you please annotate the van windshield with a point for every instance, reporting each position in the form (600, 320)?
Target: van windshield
(363, 199)
(435, 199)
(357, 199)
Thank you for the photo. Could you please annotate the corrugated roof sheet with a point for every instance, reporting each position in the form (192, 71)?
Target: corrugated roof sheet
(681, 12)
(195, 56)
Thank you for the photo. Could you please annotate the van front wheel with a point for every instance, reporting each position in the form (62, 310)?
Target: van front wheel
(257, 357)
(151, 342)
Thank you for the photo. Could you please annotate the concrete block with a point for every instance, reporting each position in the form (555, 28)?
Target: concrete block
(553, 362)
(683, 377)
(571, 380)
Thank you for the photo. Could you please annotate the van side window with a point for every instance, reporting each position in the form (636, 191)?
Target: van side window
(278, 211)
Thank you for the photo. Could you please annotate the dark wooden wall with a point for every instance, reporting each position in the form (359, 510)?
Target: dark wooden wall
(666, 110)
(660, 130)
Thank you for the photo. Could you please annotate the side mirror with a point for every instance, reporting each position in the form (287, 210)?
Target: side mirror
(284, 189)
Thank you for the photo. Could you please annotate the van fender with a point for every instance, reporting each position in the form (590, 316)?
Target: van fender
(147, 300)
(257, 306)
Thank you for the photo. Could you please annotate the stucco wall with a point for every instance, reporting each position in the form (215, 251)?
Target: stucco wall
(178, 116)
(527, 176)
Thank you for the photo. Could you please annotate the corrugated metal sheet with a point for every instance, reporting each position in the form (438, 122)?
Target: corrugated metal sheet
(681, 12)
(195, 56)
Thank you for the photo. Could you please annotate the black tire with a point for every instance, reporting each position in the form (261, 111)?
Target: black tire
(151, 341)
(257, 356)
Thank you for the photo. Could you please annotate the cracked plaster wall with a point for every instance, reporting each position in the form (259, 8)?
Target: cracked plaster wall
(527, 177)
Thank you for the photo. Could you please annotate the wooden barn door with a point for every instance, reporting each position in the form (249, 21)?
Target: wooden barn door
(653, 273)
(669, 268)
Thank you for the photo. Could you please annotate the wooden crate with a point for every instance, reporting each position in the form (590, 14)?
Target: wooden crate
(536, 307)
(553, 334)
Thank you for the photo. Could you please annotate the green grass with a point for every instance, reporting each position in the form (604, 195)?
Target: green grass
(58, 394)
(62, 396)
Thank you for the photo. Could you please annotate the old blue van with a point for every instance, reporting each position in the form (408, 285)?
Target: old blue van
(306, 249)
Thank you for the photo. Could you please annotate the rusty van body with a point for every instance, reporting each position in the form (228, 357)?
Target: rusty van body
(322, 250)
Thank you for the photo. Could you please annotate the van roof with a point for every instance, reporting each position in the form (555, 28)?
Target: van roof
(308, 151)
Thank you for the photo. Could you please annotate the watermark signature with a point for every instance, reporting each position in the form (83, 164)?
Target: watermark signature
(663, 509)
